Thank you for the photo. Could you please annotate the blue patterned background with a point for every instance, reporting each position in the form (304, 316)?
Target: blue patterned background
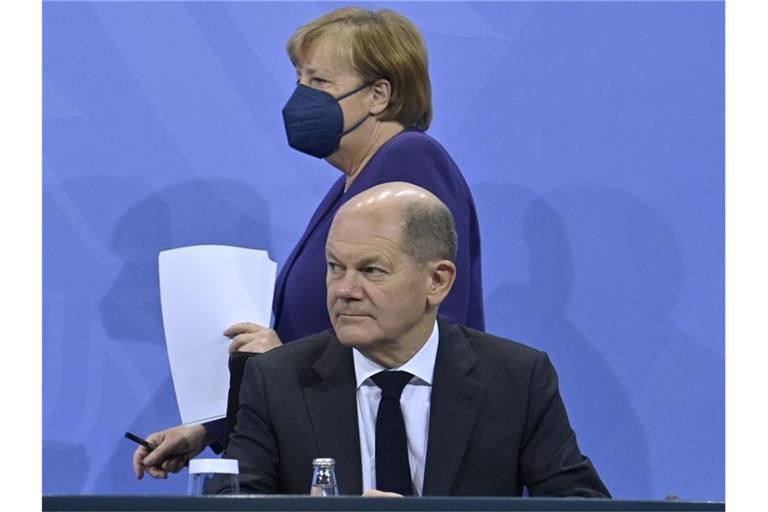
(591, 134)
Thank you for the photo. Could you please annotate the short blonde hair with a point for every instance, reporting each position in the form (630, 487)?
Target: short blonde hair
(377, 44)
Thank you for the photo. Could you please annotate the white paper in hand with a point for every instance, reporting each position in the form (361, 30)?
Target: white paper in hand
(203, 290)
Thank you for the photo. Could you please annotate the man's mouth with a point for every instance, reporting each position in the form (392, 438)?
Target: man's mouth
(351, 315)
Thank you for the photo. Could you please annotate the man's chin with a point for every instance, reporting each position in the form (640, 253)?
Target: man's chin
(351, 336)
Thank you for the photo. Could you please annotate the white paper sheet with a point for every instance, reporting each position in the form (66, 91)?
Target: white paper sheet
(203, 290)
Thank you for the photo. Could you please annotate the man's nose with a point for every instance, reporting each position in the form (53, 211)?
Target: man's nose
(349, 286)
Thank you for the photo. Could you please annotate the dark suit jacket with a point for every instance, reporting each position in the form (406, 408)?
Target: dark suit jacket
(497, 422)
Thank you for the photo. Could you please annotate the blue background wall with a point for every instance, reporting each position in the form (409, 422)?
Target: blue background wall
(591, 134)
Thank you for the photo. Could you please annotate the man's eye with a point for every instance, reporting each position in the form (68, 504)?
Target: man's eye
(374, 271)
(319, 81)
(333, 267)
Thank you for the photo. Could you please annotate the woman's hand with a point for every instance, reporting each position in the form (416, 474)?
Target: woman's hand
(250, 337)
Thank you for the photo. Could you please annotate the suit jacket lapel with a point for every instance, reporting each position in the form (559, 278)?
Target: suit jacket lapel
(455, 404)
(332, 408)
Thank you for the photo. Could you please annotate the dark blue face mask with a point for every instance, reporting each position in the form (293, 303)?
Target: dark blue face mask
(314, 121)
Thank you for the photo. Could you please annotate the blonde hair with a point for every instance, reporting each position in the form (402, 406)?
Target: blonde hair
(377, 44)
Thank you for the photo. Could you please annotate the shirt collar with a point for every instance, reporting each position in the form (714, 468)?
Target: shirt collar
(421, 365)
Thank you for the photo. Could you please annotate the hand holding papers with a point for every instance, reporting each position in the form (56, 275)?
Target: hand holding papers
(203, 290)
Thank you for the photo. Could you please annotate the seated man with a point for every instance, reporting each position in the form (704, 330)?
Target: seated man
(404, 401)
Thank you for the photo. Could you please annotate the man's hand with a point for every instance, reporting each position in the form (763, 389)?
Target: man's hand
(250, 337)
(375, 493)
(175, 447)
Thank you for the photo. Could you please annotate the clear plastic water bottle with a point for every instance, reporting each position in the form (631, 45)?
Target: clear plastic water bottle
(324, 478)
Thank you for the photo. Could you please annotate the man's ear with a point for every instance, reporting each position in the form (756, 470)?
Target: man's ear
(382, 93)
(442, 275)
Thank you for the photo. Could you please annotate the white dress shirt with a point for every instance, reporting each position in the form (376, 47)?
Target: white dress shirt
(414, 402)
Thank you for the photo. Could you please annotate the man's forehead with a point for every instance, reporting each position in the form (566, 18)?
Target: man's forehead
(369, 244)
(353, 236)
(360, 257)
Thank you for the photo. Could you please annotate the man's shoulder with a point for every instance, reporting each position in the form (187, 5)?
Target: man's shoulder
(307, 347)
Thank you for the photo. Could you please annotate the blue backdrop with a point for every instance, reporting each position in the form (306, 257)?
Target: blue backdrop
(591, 134)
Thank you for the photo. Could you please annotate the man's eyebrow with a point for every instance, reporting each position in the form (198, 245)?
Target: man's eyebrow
(374, 258)
(361, 262)
(329, 254)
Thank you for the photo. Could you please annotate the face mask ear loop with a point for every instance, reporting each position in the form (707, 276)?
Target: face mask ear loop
(354, 91)
(356, 125)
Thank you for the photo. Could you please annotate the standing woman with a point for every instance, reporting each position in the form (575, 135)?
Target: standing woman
(363, 101)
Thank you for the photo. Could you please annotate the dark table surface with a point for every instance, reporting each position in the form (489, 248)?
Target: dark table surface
(356, 503)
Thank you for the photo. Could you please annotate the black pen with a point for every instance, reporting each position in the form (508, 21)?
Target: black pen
(143, 442)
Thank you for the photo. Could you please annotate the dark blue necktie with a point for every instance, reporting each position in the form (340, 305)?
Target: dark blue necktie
(393, 473)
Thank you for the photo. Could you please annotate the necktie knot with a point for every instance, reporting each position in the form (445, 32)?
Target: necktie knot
(392, 383)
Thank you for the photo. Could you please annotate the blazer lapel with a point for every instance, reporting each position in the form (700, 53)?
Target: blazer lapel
(332, 408)
(455, 404)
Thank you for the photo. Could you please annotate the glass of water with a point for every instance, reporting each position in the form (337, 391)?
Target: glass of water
(213, 476)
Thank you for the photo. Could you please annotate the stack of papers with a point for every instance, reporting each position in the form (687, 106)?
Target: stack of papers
(203, 290)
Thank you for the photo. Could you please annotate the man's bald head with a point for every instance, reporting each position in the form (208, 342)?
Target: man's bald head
(427, 228)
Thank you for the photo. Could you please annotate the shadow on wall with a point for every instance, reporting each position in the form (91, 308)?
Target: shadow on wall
(531, 256)
(533, 309)
(220, 212)
(102, 378)
(78, 218)
(590, 274)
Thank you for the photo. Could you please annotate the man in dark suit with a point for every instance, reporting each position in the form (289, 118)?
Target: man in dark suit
(404, 402)
(477, 414)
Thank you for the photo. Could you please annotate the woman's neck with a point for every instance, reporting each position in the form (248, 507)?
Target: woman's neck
(352, 158)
